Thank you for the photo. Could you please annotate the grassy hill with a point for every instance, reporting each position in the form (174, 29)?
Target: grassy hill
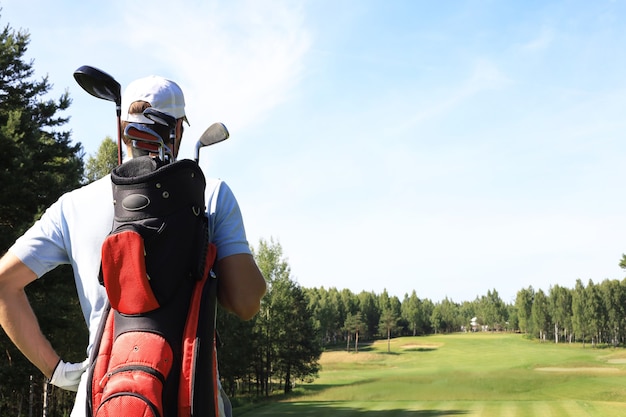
(481, 374)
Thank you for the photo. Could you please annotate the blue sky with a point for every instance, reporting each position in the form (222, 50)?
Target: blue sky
(445, 147)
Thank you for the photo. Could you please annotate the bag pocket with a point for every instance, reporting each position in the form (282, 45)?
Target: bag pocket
(124, 270)
(133, 386)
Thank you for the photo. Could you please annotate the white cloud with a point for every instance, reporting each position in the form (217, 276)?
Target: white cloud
(484, 75)
(541, 42)
(235, 61)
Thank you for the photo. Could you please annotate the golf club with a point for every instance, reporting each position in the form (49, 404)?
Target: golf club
(147, 140)
(164, 119)
(103, 86)
(160, 117)
(215, 133)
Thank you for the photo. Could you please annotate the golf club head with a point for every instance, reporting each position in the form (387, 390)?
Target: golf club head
(99, 84)
(160, 117)
(145, 141)
(215, 133)
(103, 86)
(164, 119)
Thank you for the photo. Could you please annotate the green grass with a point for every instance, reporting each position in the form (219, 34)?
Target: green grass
(487, 375)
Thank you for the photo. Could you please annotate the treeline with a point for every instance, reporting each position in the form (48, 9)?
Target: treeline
(283, 342)
(341, 315)
(594, 313)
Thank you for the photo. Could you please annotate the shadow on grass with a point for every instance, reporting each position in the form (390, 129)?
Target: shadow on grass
(365, 346)
(368, 347)
(310, 389)
(334, 409)
(421, 349)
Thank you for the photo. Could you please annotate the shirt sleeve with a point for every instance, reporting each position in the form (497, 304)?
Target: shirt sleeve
(42, 247)
(226, 226)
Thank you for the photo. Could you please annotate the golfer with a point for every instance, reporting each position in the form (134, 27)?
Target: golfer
(72, 231)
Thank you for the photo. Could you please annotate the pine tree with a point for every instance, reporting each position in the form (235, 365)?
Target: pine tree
(287, 344)
(297, 348)
(38, 163)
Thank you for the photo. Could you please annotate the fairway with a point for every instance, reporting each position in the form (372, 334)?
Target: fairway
(488, 375)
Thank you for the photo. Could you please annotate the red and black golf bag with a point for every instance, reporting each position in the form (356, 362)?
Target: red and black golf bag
(155, 350)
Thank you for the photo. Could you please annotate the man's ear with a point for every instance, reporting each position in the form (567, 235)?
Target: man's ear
(179, 128)
(179, 136)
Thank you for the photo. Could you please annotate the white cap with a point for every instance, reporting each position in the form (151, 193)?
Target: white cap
(162, 94)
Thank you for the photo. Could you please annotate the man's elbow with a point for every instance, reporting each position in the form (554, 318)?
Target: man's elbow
(248, 311)
(247, 305)
(241, 285)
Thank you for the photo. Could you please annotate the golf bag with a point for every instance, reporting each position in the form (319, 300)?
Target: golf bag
(155, 349)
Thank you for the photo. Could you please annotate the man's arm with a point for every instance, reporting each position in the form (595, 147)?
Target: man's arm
(17, 317)
(241, 285)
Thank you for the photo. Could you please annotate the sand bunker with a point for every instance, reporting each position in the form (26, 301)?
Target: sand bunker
(352, 357)
(416, 346)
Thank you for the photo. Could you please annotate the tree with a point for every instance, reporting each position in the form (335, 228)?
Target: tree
(560, 300)
(412, 312)
(580, 321)
(513, 321)
(540, 314)
(284, 325)
(388, 323)
(524, 303)
(428, 308)
(354, 324)
(614, 300)
(370, 313)
(349, 303)
(325, 313)
(38, 163)
(297, 348)
(338, 308)
(445, 316)
(237, 359)
(103, 162)
(594, 311)
(269, 258)
(493, 310)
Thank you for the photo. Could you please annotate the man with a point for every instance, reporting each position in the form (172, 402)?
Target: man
(73, 229)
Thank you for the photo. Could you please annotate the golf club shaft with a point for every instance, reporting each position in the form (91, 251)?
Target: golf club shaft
(119, 135)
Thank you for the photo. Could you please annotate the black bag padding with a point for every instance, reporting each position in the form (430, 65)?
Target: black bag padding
(165, 205)
(142, 189)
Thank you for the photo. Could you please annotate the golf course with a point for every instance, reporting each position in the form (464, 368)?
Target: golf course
(469, 374)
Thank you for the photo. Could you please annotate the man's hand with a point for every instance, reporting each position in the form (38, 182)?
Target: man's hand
(67, 375)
